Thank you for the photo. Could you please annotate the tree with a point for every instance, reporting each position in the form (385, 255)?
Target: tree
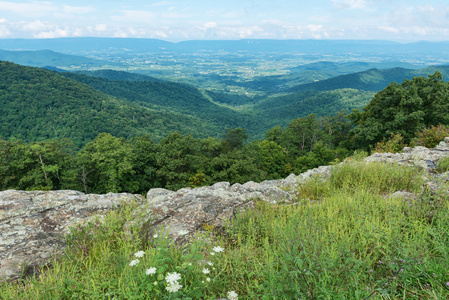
(178, 160)
(301, 134)
(37, 166)
(272, 159)
(402, 108)
(107, 165)
(234, 139)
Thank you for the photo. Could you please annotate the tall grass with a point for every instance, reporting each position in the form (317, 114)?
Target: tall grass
(343, 239)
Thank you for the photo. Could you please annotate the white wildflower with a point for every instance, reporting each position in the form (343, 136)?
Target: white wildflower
(134, 262)
(155, 283)
(151, 271)
(209, 263)
(233, 295)
(208, 279)
(218, 249)
(173, 287)
(173, 277)
(139, 254)
(155, 236)
(206, 271)
(212, 253)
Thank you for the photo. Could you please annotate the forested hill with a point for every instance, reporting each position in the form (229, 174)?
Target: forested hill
(37, 104)
(370, 80)
(176, 97)
(118, 75)
(42, 58)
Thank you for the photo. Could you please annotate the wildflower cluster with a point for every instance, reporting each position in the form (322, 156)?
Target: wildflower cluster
(172, 282)
(173, 279)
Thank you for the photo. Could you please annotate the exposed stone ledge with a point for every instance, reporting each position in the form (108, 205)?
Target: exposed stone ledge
(32, 223)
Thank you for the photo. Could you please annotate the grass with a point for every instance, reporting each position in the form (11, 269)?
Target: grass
(342, 239)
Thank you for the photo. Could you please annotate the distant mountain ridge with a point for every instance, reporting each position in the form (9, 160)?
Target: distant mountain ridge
(82, 44)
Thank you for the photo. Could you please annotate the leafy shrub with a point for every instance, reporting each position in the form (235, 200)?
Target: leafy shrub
(394, 144)
(430, 137)
(443, 164)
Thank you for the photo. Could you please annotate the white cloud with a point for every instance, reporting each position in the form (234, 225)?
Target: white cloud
(4, 30)
(349, 4)
(33, 9)
(120, 34)
(77, 9)
(388, 29)
(210, 25)
(101, 27)
(314, 28)
(56, 33)
(35, 26)
(135, 16)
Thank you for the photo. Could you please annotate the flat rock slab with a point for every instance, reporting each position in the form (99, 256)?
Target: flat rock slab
(32, 223)
(182, 212)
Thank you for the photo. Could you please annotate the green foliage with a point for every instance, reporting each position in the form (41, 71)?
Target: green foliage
(178, 160)
(281, 109)
(443, 164)
(273, 159)
(394, 144)
(108, 164)
(208, 117)
(319, 156)
(379, 178)
(37, 166)
(234, 139)
(429, 137)
(406, 109)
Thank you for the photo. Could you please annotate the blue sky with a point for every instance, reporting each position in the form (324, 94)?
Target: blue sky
(176, 20)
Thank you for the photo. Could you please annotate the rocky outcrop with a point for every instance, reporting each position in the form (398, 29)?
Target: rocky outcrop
(32, 223)
(182, 212)
(417, 156)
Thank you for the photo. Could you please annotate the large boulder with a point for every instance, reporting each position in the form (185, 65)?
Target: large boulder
(32, 224)
(182, 212)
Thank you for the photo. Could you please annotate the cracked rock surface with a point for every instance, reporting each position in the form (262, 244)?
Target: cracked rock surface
(32, 224)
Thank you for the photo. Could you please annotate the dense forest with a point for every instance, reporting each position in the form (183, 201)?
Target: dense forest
(38, 104)
(100, 135)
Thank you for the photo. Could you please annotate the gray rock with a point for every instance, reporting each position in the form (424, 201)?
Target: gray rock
(33, 223)
(418, 156)
(182, 212)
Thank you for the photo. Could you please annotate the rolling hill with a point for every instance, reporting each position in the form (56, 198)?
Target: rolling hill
(370, 80)
(280, 109)
(44, 58)
(37, 104)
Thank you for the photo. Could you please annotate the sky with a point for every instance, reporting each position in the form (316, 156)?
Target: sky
(176, 20)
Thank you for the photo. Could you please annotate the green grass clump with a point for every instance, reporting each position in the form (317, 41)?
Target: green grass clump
(443, 165)
(354, 243)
